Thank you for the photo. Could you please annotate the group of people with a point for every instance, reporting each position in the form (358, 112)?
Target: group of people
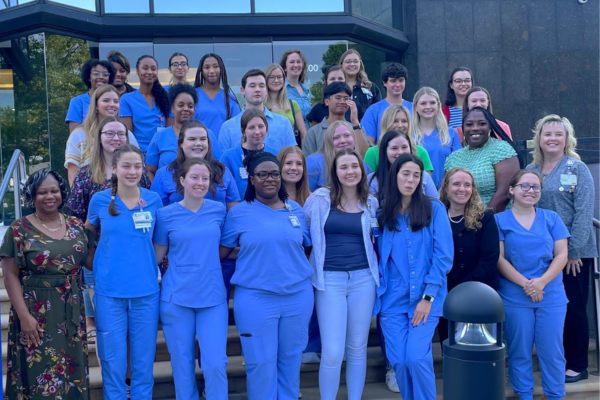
(321, 217)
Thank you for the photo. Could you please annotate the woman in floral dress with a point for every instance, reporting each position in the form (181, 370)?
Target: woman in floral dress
(42, 256)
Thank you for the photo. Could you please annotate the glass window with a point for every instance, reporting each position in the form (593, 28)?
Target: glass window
(193, 52)
(85, 4)
(374, 60)
(11, 3)
(201, 7)
(385, 12)
(312, 6)
(131, 51)
(127, 7)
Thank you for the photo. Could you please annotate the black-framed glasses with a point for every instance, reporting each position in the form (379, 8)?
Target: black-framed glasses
(526, 186)
(111, 134)
(263, 176)
(182, 64)
(461, 81)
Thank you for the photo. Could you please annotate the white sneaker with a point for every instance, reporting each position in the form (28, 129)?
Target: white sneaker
(310, 358)
(390, 381)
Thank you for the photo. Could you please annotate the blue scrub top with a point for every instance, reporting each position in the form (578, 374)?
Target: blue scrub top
(317, 172)
(146, 121)
(531, 252)
(125, 263)
(438, 152)
(371, 121)
(279, 135)
(194, 278)
(163, 147)
(165, 186)
(78, 108)
(212, 113)
(271, 256)
(232, 159)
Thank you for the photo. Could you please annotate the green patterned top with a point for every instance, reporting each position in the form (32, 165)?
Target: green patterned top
(481, 163)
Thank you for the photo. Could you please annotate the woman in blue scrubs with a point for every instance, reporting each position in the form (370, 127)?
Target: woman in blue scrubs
(178, 67)
(415, 255)
(533, 253)
(254, 129)
(193, 299)
(163, 147)
(146, 110)
(273, 294)
(216, 101)
(127, 215)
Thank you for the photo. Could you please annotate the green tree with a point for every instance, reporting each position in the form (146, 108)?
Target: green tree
(330, 57)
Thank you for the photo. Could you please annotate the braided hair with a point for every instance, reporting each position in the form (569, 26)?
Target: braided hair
(199, 81)
(159, 92)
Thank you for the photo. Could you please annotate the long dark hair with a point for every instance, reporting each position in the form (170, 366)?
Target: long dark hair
(450, 94)
(336, 192)
(159, 92)
(199, 81)
(383, 169)
(420, 208)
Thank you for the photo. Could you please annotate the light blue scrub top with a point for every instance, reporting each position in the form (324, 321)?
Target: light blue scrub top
(317, 172)
(428, 185)
(146, 121)
(271, 256)
(163, 147)
(212, 113)
(194, 278)
(438, 152)
(371, 121)
(125, 263)
(279, 134)
(165, 186)
(531, 252)
(232, 159)
(78, 108)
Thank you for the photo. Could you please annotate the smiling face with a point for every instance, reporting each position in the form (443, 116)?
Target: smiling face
(255, 133)
(48, 197)
(351, 64)
(179, 67)
(129, 169)
(211, 71)
(99, 76)
(118, 131)
(268, 188)
(183, 107)
(478, 99)
(195, 143)
(553, 139)
(477, 130)
(526, 198)
(427, 106)
(461, 83)
(196, 182)
(335, 76)
(342, 138)
(108, 105)
(147, 71)
(347, 169)
(337, 103)
(395, 86)
(294, 65)
(276, 80)
(400, 122)
(396, 147)
(255, 91)
(120, 75)
(460, 188)
(408, 178)
(292, 169)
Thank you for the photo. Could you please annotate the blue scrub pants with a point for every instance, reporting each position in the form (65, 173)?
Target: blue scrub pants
(273, 330)
(314, 334)
(115, 317)
(408, 349)
(88, 280)
(181, 325)
(543, 326)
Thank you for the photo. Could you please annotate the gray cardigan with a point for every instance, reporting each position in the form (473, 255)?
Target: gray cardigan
(575, 209)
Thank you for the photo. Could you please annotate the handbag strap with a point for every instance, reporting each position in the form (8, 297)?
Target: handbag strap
(294, 115)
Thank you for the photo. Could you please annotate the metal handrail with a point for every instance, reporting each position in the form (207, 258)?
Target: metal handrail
(15, 177)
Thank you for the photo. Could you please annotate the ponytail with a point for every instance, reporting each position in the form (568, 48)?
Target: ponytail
(114, 183)
(161, 98)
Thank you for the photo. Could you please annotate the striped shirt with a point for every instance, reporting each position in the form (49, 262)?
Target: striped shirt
(455, 117)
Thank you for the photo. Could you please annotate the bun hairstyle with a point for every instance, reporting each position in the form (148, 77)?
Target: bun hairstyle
(114, 181)
(35, 180)
(185, 168)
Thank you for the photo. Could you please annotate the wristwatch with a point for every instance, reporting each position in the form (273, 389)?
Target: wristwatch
(428, 298)
(355, 127)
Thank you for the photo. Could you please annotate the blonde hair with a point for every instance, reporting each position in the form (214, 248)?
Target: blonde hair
(388, 117)
(282, 101)
(362, 74)
(440, 121)
(327, 148)
(474, 208)
(98, 166)
(302, 190)
(92, 121)
(570, 139)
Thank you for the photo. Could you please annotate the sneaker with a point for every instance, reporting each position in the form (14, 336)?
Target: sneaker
(310, 358)
(299, 394)
(204, 394)
(390, 381)
(128, 392)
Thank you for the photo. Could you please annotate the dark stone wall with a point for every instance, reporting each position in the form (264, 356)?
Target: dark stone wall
(535, 57)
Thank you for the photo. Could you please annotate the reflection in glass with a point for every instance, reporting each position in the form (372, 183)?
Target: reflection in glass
(374, 61)
(12, 3)
(201, 7)
(85, 4)
(307, 6)
(385, 12)
(127, 6)
(131, 51)
(475, 334)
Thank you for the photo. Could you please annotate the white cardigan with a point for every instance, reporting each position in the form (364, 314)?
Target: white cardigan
(316, 211)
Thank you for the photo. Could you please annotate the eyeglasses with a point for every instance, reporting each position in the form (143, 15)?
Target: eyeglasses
(526, 186)
(264, 175)
(351, 61)
(96, 74)
(461, 81)
(111, 134)
(341, 98)
(182, 64)
(275, 77)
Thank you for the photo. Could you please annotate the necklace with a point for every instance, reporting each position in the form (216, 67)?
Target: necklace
(456, 222)
(60, 218)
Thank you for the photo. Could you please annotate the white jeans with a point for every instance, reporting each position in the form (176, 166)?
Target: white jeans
(344, 310)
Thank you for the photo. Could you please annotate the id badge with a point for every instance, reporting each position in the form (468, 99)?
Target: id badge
(243, 173)
(375, 229)
(142, 220)
(295, 222)
(568, 180)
